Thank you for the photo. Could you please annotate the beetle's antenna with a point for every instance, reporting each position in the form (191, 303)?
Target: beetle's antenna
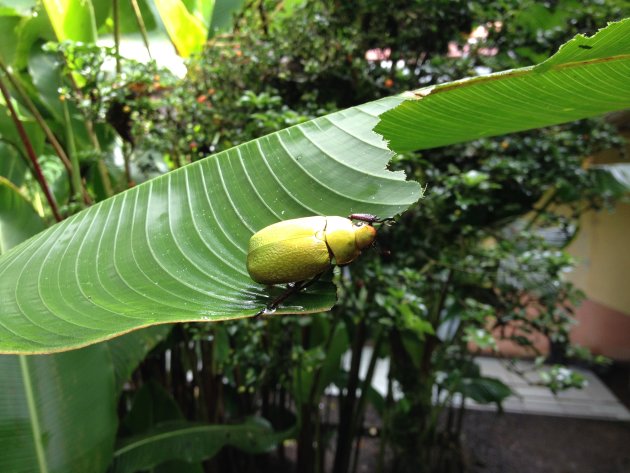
(370, 219)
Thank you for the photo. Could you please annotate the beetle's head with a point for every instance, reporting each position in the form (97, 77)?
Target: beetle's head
(364, 235)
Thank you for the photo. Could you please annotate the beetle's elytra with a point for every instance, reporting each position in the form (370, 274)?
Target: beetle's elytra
(302, 248)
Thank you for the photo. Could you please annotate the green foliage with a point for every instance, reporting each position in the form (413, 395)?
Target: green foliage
(481, 258)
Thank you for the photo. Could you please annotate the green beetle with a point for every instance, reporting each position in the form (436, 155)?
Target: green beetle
(297, 250)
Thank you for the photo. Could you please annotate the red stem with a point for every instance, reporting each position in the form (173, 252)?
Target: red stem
(31, 153)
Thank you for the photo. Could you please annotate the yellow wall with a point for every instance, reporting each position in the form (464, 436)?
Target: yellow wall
(602, 249)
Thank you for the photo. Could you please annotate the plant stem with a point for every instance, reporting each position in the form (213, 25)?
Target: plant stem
(141, 26)
(314, 403)
(126, 150)
(38, 117)
(347, 404)
(74, 160)
(539, 210)
(360, 408)
(89, 127)
(305, 453)
(31, 153)
(75, 177)
(116, 18)
(389, 402)
(100, 163)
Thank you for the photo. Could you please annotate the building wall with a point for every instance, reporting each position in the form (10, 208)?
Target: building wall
(602, 249)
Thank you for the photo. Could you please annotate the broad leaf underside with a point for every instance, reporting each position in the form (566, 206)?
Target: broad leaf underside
(174, 248)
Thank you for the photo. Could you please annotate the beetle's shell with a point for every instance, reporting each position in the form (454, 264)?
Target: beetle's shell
(300, 249)
(288, 251)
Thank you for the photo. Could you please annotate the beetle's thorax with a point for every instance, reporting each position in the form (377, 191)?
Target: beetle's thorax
(341, 238)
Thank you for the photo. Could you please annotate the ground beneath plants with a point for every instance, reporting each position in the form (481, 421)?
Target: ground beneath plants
(520, 443)
(541, 444)
(505, 443)
(525, 443)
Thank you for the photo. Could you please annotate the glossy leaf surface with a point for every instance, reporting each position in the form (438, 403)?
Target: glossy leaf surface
(58, 411)
(173, 249)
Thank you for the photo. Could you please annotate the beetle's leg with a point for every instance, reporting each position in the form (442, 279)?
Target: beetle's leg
(291, 289)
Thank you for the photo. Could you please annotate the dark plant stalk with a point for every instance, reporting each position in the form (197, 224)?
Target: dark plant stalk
(384, 437)
(319, 451)
(305, 453)
(460, 419)
(359, 414)
(282, 454)
(313, 402)
(347, 404)
(263, 18)
(357, 449)
(31, 153)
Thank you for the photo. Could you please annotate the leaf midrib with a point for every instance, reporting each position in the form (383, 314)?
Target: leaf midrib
(166, 435)
(33, 415)
(424, 92)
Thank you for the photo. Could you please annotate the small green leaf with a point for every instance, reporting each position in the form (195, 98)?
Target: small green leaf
(192, 442)
(484, 390)
(12, 166)
(58, 412)
(18, 219)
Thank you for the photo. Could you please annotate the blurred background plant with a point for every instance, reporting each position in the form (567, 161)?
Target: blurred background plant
(480, 259)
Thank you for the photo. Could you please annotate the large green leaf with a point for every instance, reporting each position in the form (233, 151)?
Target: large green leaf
(58, 412)
(174, 248)
(129, 350)
(223, 15)
(8, 36)
(72, 19)
(153, 405)
(188, 29)
(588, 76)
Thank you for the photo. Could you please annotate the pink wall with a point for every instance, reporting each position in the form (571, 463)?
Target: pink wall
(604, 330)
